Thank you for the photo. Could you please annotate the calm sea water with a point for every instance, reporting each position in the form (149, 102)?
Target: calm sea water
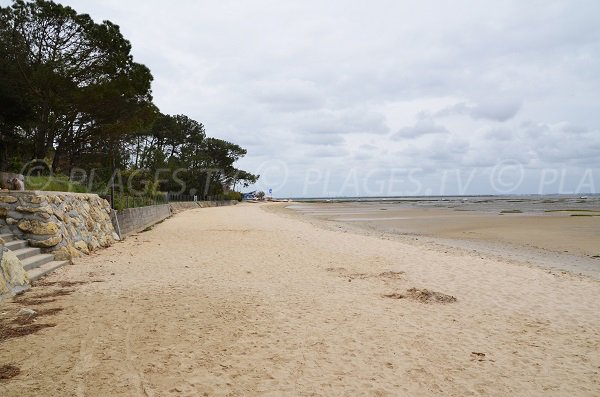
(534, 203)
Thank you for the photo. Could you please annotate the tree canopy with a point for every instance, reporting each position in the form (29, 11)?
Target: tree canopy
(71, 96)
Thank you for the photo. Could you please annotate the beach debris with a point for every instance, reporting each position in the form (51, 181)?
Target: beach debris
(8, 371)
(26, 312)
(25, 320)
(10, 332)
(62, 284)
(360, 276)
(394, 295)
(390, 274)
(53, 294)
(477, 356)
(423, 296)
(33, 302)
(428, 296)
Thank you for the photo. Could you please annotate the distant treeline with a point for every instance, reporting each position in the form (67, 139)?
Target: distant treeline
(72, 97)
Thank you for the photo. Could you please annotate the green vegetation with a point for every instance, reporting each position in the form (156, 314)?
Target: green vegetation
(122, 201)
(511, 212)
(233, 196)
(572, 210)
(53, 184)
(74, 102)
(585, 214)
(578, 212)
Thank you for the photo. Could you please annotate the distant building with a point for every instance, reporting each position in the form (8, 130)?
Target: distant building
(249, 196)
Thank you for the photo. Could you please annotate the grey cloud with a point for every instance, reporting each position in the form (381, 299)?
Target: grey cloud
(421, 127)
(368, 146)
(499, 134)
(361, 156)
(322, 139)
(443, 151)
(328, 151)
(533, 130)
(349, 121)
(288, 95)
(495, 110)
(574, 128)
(302, 84)
(491, 109)
(367, 152)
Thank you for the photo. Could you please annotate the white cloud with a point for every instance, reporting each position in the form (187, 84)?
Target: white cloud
(309, 82)
(493, 109)
(420, 128)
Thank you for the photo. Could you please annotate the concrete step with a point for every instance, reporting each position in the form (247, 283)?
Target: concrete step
(16, 244)
(36, 261)
(24, 253)
(7, 237)
(39, 272)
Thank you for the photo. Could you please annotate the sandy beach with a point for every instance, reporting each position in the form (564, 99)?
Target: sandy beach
(561, 234)
(257, 299)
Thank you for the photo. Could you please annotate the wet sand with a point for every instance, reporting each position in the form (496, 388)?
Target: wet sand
(258, 300)
(567, 238)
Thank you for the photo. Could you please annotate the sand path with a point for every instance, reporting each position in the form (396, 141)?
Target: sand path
(239, 301)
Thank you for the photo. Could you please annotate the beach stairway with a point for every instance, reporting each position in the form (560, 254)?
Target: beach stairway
(33, 260)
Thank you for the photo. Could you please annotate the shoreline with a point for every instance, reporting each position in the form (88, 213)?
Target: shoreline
(514, 237)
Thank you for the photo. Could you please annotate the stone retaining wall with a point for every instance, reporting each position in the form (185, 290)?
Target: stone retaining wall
(67, 224)
(71, 224)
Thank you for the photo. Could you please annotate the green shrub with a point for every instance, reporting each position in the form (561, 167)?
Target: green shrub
(233, 196)
(122, 201)
(53, 184)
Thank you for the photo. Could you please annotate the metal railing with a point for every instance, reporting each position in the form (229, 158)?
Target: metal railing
(173, 197)
(121, 201)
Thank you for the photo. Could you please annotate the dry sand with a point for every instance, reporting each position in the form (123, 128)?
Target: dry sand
(241, 301)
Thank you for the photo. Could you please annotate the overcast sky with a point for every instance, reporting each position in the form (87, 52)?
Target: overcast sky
(382, 97)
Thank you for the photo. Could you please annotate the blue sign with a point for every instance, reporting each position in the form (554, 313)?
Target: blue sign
(270, 191)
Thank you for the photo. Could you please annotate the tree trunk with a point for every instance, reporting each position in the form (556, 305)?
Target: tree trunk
(3, 154)
(57, 156)
(40, 148)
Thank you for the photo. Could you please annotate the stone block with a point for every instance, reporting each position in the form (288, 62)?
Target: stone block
(82, 246)
(38, 227)
(13, 278)
(7, 199)
(32, 210)
(37, 199)
(47, 243)
(43, 215)
(15, 214)
(59, 214)
(93, 244)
